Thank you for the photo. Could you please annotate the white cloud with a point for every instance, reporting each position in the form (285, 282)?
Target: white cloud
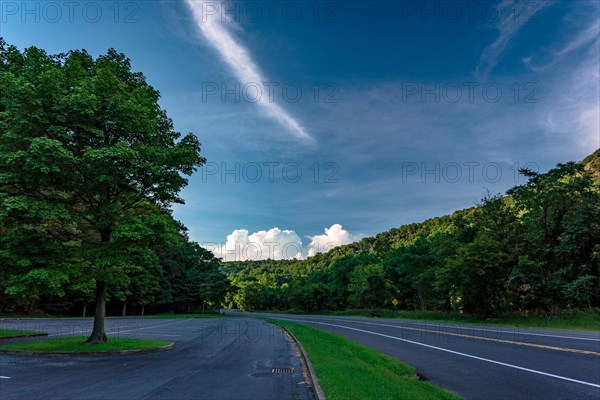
(334, 236)
(585, 38)
(277, 244)
(572, 64)
(208, 19)
(510, 20)
(576, 111)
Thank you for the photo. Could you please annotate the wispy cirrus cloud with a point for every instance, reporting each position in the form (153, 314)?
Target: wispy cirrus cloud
(238, 58)
(583, 39)
(575, 112)
(511, 17)
(572, 64)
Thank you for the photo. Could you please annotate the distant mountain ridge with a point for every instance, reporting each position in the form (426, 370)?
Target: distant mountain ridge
(591, 164)
(383, 241)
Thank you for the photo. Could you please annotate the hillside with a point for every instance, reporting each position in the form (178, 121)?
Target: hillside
(592, 165)
(533, 249)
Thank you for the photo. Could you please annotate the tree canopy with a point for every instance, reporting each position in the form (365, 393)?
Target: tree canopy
(89, 167)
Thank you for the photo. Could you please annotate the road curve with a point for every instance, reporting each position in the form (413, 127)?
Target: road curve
(480, 362)
(226, 358)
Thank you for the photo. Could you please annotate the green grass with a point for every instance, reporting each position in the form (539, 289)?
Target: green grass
(347, 370)
(77, 343)
(16, 332)
(169, 315)
(582, 320)
(576, 321)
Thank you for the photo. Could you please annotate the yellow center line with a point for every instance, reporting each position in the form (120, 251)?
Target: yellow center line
(540, 346)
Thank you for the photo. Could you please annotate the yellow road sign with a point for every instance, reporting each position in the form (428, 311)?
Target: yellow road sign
(395, 302)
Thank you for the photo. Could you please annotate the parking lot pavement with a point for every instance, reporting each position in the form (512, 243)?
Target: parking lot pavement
(225, 358)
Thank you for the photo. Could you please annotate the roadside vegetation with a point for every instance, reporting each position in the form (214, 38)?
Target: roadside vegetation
(90, 165)
(347, 370)
(530, 257)
(4, 333)
(86, 225)
(78, 344)
(581, 320)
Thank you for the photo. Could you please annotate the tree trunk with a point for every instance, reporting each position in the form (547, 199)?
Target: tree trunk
(124, 307)
(98, 335)
(143, 310)
(84, 310)
(421, 297)
(31, 306)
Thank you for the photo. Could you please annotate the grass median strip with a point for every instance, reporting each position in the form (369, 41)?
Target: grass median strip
(77, 344)
(347, 370)
(582, 320)
(8, 333)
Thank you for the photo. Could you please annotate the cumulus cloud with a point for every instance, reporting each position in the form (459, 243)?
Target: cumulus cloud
(275, 244)
(278, 244)
(208, 18)
(334, 236)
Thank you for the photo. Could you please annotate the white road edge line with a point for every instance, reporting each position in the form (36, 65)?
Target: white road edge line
(495, 330)
(461, 354)
(4, 377)
(422, 326)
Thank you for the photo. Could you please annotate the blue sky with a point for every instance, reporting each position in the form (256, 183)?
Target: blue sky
(334, 120)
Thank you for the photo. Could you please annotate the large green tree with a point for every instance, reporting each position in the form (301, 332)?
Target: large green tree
(560, 214)
(368, 287)
(84, 141)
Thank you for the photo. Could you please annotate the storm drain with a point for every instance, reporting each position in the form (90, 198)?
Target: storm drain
(282, 370)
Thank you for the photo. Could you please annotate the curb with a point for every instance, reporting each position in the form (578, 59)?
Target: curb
(314, 382)
(85, 353)
(23, 336)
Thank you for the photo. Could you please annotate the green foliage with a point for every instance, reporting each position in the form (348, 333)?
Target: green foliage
(192, 277)
(368, 287)
(535, 250)
(77, 344)
(414, 267)
(9, 333)
(89, 167)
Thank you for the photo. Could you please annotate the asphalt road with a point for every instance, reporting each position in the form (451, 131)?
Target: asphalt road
(481, 362)
(227, 358)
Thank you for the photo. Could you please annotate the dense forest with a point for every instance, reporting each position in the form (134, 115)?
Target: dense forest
(90, 166)
(169, 274)
(537, 248)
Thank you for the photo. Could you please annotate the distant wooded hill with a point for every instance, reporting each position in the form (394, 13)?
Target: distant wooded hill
(535, 248)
